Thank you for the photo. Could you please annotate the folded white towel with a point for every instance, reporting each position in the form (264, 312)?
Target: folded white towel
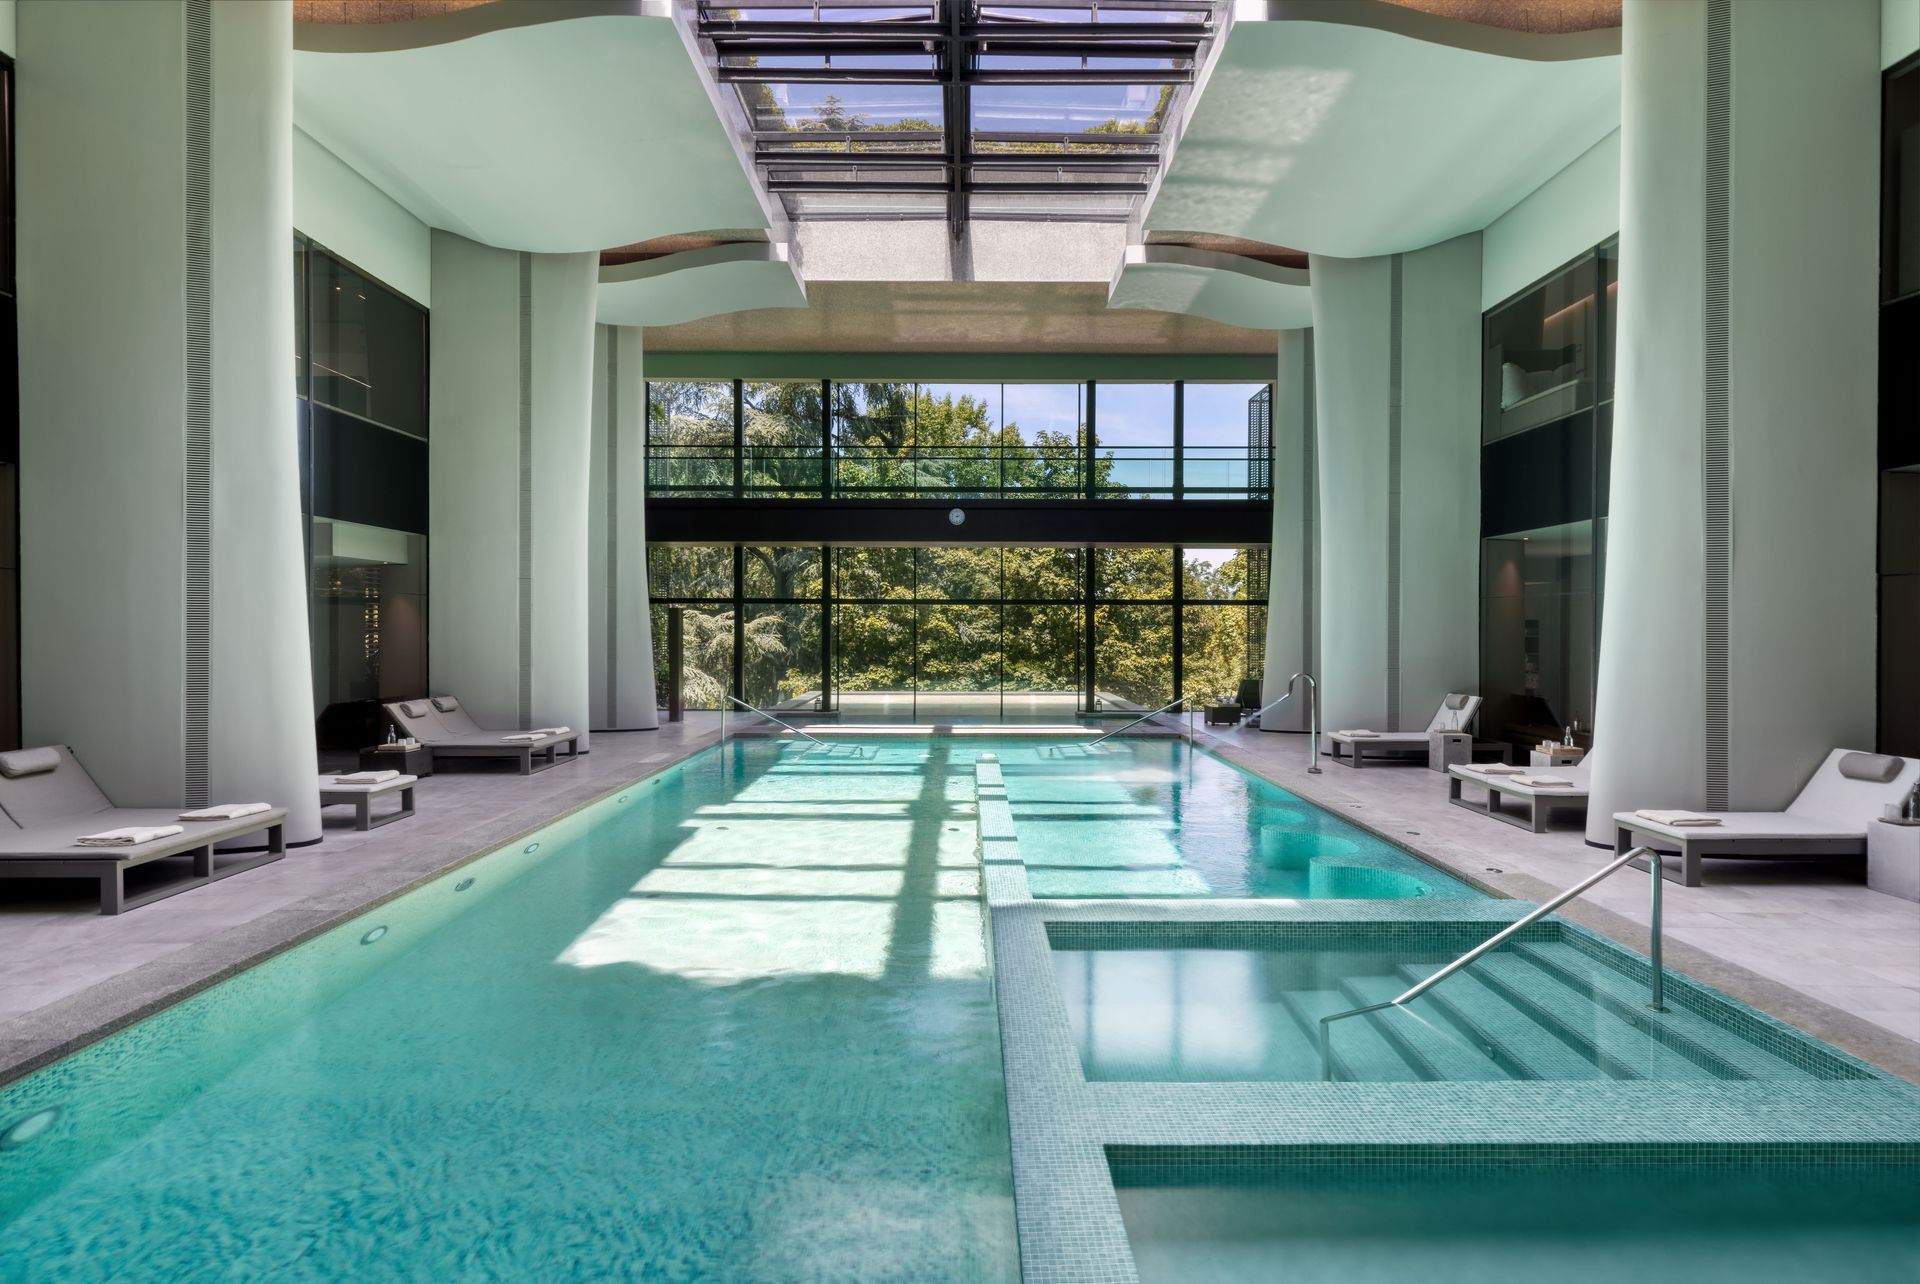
(525, 735)
(366, 778)
(226, 811)
(132, 836)
(1356, 734)
(556, 731)
(1541, 782)
(1678, 818)
(1499, 769)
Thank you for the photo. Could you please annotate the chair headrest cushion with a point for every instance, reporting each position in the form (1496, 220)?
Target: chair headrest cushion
(1880, 768)
(28, 762)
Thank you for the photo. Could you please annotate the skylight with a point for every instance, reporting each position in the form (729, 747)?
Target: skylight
(959, 109)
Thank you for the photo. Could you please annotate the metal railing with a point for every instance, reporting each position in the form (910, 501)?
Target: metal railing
(1656, 1001)
(1165, 708)
(770, 718)
(1313, 717)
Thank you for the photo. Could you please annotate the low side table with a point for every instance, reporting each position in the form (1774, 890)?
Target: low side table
(1448, 749)
(1556, 756)
(1893, 858)
(417, 761)
(362, 796)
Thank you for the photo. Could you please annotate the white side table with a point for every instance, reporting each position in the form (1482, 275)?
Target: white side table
(1893, 858)
(1448, 748)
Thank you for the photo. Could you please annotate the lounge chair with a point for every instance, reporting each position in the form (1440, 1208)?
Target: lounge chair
(1536, 802)
(50, 801)
(1829, 818)
(1455, 713)
(447, 731)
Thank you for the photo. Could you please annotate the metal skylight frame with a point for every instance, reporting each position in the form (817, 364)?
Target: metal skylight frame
(882, 170)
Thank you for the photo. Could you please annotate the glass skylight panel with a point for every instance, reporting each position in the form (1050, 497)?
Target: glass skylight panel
(976, 94)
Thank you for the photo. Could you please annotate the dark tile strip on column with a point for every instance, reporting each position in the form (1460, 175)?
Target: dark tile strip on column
(613, 526)
(1715, 444)
(199, 386)
(526, 490)
(1395, 354)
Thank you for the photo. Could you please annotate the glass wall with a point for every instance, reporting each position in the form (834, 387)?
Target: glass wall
(1546, 432)
(360, 377)
(961, 634)
(894, 440)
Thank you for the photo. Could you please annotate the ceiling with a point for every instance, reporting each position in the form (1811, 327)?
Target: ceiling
(958, 316)
(552, 133)
(1353, 140)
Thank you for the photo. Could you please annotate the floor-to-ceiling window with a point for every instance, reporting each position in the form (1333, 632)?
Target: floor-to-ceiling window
(361, 378)
(9, 435)
(965, 633)
(1546, 433)
(1899, 685)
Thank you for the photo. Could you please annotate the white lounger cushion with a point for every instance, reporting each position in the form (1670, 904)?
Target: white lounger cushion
(1577, 778)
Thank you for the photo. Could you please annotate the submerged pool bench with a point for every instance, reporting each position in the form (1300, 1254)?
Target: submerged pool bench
(49, 801)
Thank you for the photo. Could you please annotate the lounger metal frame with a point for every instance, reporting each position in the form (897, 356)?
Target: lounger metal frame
(1693, 847)
(1537, 817)
(110, 866)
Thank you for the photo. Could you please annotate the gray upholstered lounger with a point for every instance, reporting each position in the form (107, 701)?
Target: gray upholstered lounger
(1454, 714)
(447, 731)
(1828, 818)
(49, 801)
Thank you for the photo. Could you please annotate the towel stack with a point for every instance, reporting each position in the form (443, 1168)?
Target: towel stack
(1500, 769)
(132, 836)
(1357, 734)
(541, 734)
(367, 778)
(1542, 782)
(1678, 819)
(227, 811)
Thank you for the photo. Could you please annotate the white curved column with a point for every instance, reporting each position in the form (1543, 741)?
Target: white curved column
(620, 627)
(1397, 374)
(507, 531)
(163, 585)
(1292, 573)
(1737, 644)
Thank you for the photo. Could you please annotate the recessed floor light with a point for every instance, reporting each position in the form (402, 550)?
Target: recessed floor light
(530, 848)
(373, 934)
(622, 798)
(1495, 869)
(23, 1130)
(463, 885)
(1413, 833)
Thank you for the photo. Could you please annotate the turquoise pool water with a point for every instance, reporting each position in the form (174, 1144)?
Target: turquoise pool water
(1638, 1218)
(739, 1026)
(1158, 818)
(1549, 1006)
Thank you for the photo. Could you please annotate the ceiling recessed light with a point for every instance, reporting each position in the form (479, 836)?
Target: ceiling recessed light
(957, 516)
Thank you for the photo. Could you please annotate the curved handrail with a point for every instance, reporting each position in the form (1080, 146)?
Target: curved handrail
(1313, 717)
(781, 722)
(1657, 1000)
(1137, 721)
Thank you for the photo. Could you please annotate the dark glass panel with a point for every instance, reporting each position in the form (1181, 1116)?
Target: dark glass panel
(367, 474)
(368, 347)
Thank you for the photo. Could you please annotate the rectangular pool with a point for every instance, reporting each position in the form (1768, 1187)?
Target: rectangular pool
(736, 1023)
(1465, 1215)
(1243, 1001)
(1159, 818)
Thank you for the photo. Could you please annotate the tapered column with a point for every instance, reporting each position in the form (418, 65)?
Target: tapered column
(163, 585)
(507, 531)
(620, 628)
(1292, 573)
(1397, 375)
(1737, 640)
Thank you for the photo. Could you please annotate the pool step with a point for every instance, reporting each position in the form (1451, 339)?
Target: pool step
(1360, 1051)
(1434, 1051)
(1711, 1048)
(1524, 1039)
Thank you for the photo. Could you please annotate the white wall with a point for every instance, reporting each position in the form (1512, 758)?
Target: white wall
(337, 206)
(1292, 627)
(620, 626)
(1899, 30)
(1568, 214)
(9, 41)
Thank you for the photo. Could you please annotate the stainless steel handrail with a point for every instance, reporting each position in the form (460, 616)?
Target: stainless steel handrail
(770, 718)
(1313, 717)
(1137, 721)
(1657, 1000)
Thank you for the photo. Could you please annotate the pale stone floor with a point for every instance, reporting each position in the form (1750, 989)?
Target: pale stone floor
(1809, 943)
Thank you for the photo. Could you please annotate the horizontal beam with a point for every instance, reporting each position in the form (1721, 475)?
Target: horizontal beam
(1060, 523)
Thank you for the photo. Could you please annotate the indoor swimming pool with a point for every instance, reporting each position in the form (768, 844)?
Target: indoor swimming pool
(1159, 818)
(736, 1023)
